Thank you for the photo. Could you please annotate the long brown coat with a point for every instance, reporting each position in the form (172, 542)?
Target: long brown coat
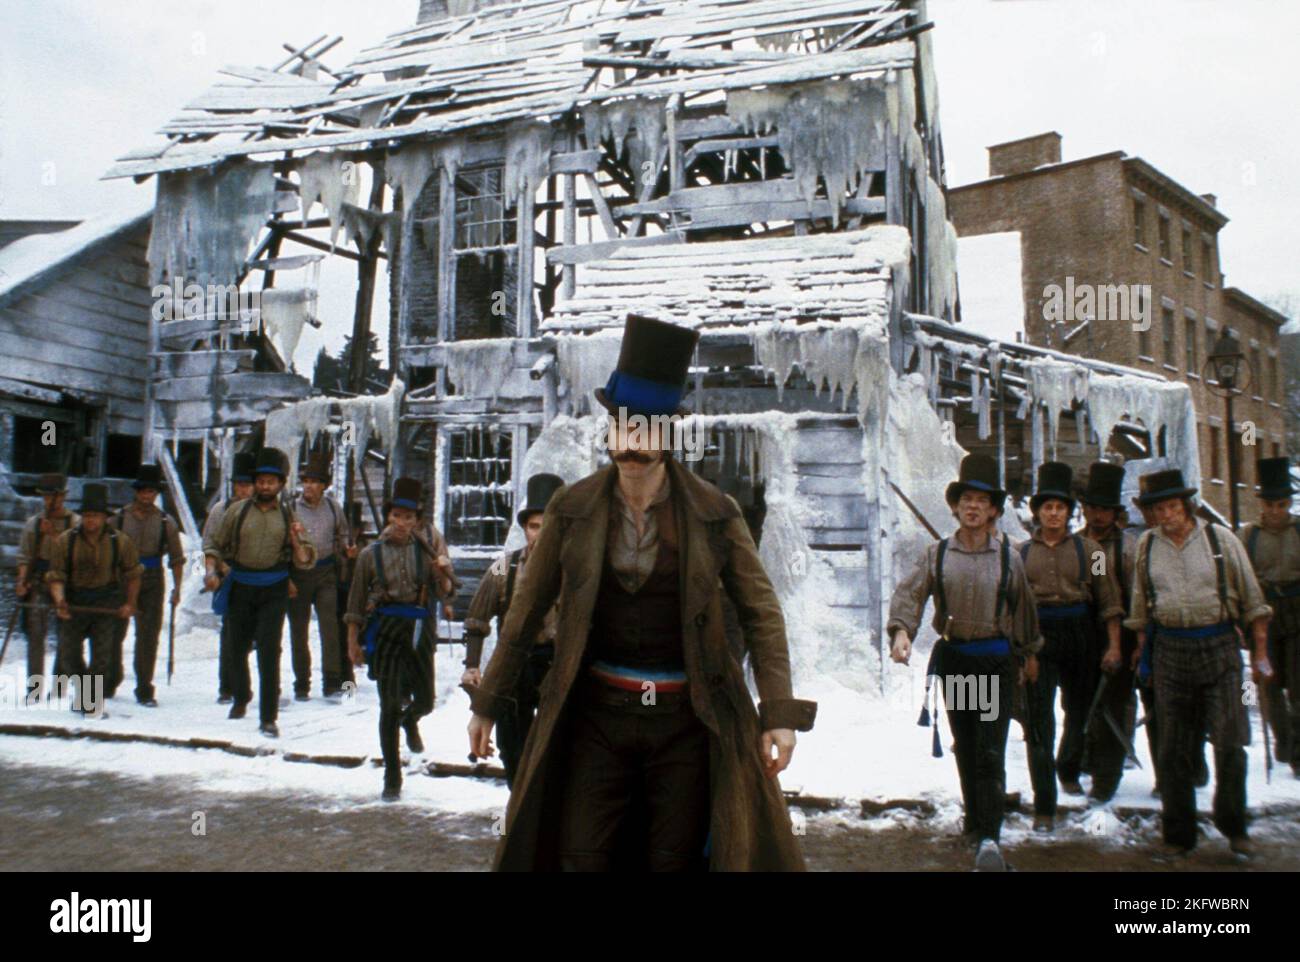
(750, 826)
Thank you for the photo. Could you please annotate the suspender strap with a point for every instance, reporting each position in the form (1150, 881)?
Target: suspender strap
(1004, 579)
(940, 596)
(1252, 540)
(72, 553)
(243, 515)
(511, 571)
(1220, 568)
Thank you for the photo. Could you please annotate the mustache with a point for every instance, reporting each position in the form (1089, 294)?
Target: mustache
(634, 457)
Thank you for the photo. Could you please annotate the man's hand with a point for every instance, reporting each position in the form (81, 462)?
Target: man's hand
(1111, 661)
(901, 649)
(22, 588)
(1262, 670)
(293, 590)
(126, 611)
(61, 609)
(296, 531)
(471, 677)
(356, 653)
(782, 739)
(351, 551)
(1136, 660)
(480, 736)
(448, 611)
(211, 581)
(1030, 671)
(176, 596)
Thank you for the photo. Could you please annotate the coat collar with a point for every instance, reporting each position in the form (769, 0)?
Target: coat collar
(700, 499)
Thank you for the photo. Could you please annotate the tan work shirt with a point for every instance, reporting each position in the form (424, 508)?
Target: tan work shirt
(146, 534)
(400, 585)
(325, 524)
(1054, 575)
(92, 562)
(1186, 582)
(263, 541)
(34, 546)
(632, 555)
(490, 601)
(1277, 553)
(970, 580)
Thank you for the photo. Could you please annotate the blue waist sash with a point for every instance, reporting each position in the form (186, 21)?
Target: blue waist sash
(40, 566)
(325, 562)
(1054, 612)
(151, 560)
(371, 636)
(1204, 631)
(245, 576)
(982, 646)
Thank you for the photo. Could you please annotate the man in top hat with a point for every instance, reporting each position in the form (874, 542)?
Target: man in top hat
(241, 488)
(1193, 581)
(1077, 598)
(1274, 549)
(657, 717)
(327, 527)
(155, 536)
(259, 539)
(988, 630)
(397, 581)
(492, 600)
(94, 580)
(35, 546)
(1103, 512)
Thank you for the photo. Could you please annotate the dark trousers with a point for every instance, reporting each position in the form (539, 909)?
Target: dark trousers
(255, 619)
(318, 589)
(1147, 692)
(1106, 752)
(626, 757)
(1283, 696)
(148, 628)
(1070, 661)
(100, 630)
(979, 733)
(224, 688)
(1198, 691)
(36, 626)
(403, 670)
(346, 672)
(513, 726)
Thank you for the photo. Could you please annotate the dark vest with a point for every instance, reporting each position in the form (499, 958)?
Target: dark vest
(641, 629)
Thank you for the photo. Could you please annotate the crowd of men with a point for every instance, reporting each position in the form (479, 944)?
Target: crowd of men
(617, 691)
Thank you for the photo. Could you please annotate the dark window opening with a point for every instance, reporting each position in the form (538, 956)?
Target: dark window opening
(122, 455)
(479, 505)
(51, 441)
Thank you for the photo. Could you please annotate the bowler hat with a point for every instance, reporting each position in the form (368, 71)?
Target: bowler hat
(1275, 479)
(1163, 485)
(540, 489)
(979, 472)
(1105, 485)
(1054, 481)
(653, 362)
(94, 497)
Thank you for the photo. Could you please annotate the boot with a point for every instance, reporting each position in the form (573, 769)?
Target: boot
(412, 729)
(989, 858)
(270, 729)
(1044, 823)
(1241, 845)
(392, 785)
(238, 709)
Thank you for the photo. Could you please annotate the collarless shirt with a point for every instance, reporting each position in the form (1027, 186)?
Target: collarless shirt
(632, 555)
(319, 520)
(1053, 573)
(1277, 553)
(36, 546)
(146, 534)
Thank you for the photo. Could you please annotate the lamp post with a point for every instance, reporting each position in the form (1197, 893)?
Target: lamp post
(1229, 367)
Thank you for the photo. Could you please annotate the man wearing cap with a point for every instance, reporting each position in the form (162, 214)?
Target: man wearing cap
(241, 487)
(492, 600)
(1077, 596)
(1273, 546)
(94, 580)
(259, 539)
(1194, 582)
(988, 633)
(318, 588)
(34, 549)
(1103, 509)
(394, 587)
(155, 536)
(657, 719)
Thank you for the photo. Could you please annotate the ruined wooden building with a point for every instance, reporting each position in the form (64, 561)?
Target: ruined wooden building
(531, 172)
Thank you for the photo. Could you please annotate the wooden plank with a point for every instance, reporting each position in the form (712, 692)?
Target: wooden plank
(176, 491)
(602, 207)
(583, 253)
(31, 392)
(60, 372)
(734, 143)
(577, 162)
(201, 363)
(236, 412)
(204, 327)
(266, 385)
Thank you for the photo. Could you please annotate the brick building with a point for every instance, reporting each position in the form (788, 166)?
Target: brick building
(1101, 235)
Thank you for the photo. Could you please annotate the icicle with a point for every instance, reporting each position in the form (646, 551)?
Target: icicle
(528, 153)
(584, 363)
(478, 368)
(335, 180)
(203, 462)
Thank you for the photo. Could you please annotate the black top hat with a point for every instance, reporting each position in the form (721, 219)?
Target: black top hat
(317, 469)
(149, 476)
(652, 366)
(94, 497)
(1054, 481)
(540, 489)
(272, 461)
(1162, 485)
(1275, 479)
(407, 493)
(979, 472)
(51, 484)
(245, 464)
(1105, 485)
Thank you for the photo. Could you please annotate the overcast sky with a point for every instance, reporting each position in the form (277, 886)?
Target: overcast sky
(1202, 89)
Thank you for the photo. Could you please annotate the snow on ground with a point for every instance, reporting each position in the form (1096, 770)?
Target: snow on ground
(863, 745)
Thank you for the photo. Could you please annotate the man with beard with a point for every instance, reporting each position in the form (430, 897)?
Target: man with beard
(492, 600)
(259, 539)
(1274, 549)
(34, 549)
(157, 537)
(1194, 583)
(988, 633)
(393, 592)
(241, 487)
(645, 708)
(1075, 600)
(1102, 510)
(94, 580)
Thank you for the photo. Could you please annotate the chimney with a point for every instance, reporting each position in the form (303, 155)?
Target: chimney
(1018, 156)
(1210, 199)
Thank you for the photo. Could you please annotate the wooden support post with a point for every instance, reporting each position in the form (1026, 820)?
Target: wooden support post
(602, 207)
(570, 283)
(526, 238)
(676, 167)
(176, 491)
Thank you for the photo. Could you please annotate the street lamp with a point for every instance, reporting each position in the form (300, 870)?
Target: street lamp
(1229, 368)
